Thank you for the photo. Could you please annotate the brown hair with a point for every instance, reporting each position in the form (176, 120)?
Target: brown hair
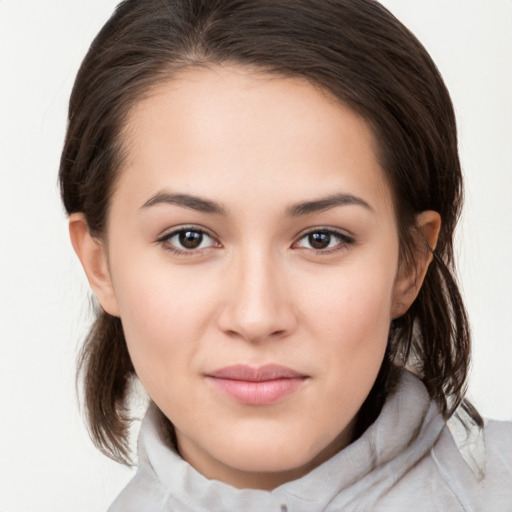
(356, 50)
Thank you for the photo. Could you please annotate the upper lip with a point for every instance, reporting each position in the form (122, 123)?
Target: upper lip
(256, 374)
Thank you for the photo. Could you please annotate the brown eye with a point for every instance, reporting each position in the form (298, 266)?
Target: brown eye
(319, 240)
(324, 240)
(190, 239)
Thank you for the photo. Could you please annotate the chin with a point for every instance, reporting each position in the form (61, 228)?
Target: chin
(288, 452)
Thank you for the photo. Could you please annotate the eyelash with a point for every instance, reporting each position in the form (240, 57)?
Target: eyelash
(344, 240)
(165, 240)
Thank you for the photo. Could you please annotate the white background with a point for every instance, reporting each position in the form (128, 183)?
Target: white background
(47, 462)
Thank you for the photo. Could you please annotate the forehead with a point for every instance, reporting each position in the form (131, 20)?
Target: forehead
(227, 129)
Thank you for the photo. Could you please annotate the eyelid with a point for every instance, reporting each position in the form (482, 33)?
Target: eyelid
(345, 239)
(171, 232)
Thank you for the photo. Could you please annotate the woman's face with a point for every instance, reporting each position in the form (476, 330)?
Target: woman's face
(253, 258)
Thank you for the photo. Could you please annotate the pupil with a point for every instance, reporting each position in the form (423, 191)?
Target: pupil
(190, 239)
(319, 240)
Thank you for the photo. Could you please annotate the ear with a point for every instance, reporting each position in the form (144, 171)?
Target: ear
(92, 254)
(410, 278)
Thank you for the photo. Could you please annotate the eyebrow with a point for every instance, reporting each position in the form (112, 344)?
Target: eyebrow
(187, 201)
(295, 210)
(319, 205)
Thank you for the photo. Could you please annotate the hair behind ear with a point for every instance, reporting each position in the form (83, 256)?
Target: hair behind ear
(107, 372)
(419, 339)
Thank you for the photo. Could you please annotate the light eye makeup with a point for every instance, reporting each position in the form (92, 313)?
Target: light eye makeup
(324, 240)
(194, 240)
(188, 240)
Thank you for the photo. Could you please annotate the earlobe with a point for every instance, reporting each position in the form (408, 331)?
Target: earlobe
(92, 254)
(410, 278)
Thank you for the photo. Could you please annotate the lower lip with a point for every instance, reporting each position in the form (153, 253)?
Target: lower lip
(257, 393)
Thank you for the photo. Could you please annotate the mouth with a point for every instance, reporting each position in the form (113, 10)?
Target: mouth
(257, 386)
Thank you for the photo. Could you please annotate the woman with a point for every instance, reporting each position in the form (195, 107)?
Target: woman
(263, 196)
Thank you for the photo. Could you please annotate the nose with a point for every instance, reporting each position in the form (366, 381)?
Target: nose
(258, 303)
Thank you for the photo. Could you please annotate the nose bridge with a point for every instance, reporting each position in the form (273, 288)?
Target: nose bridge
(257, 306)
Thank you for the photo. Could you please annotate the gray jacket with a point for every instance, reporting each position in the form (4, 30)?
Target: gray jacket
(408, 460)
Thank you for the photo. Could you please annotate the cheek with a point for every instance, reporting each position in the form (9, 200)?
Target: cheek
(349, 315)
(164, 315)
(353, 303)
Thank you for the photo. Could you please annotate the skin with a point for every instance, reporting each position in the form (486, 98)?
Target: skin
(255, 291)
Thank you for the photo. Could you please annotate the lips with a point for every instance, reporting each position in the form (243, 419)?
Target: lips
(256, 386)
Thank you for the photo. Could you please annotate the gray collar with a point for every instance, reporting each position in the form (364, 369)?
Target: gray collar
(406, 429)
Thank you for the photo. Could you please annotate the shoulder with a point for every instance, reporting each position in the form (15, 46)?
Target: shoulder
(498, 434)
(465, 469)
(476, 465)
(498, 451)
(141, 493)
